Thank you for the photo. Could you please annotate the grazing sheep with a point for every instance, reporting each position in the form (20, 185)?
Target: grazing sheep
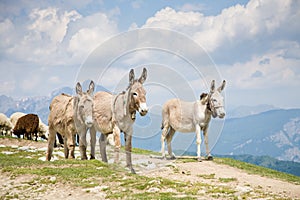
(5, 125)
(15, 116)
(42, 130)
(27, 125)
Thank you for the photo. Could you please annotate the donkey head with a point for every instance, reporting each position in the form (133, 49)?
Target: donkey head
(83, 104)
(216, 100)
(137, 92)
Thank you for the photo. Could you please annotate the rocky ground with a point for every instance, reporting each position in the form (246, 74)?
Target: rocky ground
(206, 172)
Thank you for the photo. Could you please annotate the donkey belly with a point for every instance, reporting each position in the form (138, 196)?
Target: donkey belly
(184, 128)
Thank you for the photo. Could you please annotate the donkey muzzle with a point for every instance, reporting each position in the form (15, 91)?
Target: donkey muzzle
(143, 109)
(89, 121)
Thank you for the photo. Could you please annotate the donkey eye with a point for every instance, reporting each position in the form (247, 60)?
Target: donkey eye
(135, 94)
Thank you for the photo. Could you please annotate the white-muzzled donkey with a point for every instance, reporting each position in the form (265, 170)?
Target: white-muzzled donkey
(185, 117)
(114, 114)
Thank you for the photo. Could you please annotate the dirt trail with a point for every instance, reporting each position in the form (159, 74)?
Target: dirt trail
(206, 172)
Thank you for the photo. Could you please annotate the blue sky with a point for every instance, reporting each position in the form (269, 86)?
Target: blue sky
(255, 45)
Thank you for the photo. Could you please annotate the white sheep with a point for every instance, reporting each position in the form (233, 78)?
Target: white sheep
(43, 130)
(5, 125)
(15, 116)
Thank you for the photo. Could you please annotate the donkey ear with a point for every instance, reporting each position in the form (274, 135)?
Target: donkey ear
(212, 86)
(131, 76)
(204, 98)
(143, 76)
(222, 86)
(78, 89)
(91, 88)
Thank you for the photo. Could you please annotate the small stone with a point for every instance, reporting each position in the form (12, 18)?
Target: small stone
(52, 179)
(153, 190)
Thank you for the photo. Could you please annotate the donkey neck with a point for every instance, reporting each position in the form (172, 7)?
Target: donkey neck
(210, 107)
(76, 115)
(127, 104)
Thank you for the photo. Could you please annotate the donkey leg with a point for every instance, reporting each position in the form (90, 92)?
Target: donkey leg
(51, 139)
(93, 142)
(82, 144)
(128, 149)
(102, 142)
(205, 133)
(66, 149)
(70, 143)
(169, 139)
(162, 139)
(198, 141)
(116, 133)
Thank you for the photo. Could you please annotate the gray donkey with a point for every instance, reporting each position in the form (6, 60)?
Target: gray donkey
(178, 115)
(70, 115)
(116, 113)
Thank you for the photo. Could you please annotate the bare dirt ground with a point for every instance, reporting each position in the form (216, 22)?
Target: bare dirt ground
(204, 172)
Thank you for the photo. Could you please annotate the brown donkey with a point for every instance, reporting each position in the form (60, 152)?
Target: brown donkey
(116, 113)
(68, 116)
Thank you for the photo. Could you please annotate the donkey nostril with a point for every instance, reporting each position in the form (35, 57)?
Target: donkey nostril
(222, 115)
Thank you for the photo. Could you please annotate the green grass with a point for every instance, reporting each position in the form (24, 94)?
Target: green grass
(90, 173)
(143, 151)
(206, 176)
(87, 174)
(226, 180)
(118, 182)
(254, 169)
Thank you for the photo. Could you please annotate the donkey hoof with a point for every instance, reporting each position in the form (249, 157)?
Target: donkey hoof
(173, 157)
(84, 157)
(199, 159)
(92, 157)
(133, 171)
(210, 158)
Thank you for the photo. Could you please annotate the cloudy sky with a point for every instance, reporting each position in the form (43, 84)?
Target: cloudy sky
(254, 45)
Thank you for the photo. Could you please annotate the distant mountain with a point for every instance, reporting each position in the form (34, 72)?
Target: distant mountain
(269, 162)
(37, 105)
(243, 111)
(275, 133)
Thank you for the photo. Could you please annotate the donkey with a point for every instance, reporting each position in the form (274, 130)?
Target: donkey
(116, 113)
(178, 115)
(68, 116)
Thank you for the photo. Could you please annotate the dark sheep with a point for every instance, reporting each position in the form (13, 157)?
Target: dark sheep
(27, 125)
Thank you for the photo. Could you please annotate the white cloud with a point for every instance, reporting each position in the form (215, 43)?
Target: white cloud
(170, 19)
(90, 32)
(43, 40)
(51, 22)
(7, 30)
(39, 39)
(259, 39)
(233, 24)
(266, 71)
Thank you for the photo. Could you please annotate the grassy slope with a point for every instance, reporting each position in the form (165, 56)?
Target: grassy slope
(88, 174)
